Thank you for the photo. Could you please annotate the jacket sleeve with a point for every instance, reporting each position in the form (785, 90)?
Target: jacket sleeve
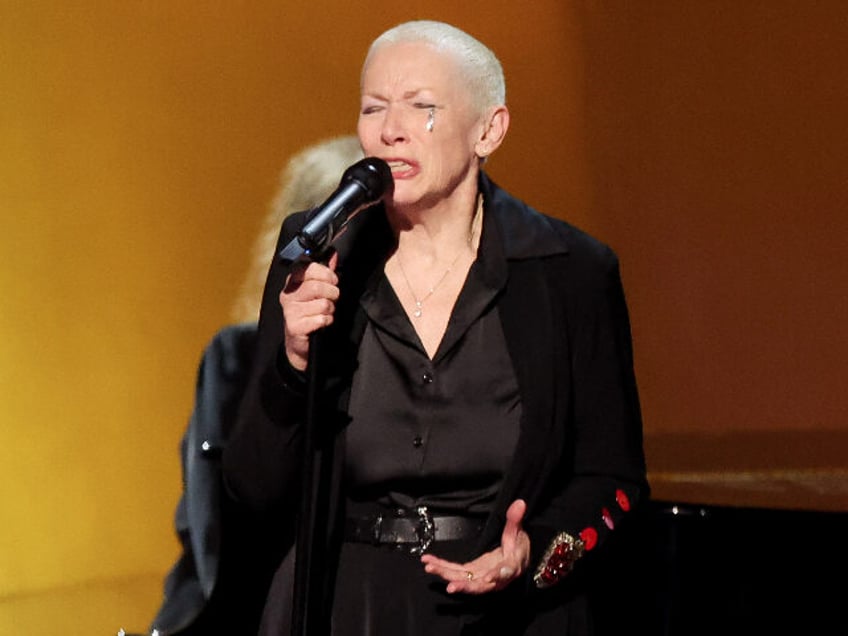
(197, 520)
(603, 466)
(183, 597)
(262, 459)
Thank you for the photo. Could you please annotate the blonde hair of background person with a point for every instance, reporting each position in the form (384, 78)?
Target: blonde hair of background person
(308, 179)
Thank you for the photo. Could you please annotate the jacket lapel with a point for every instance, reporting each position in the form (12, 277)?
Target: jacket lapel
(529, 336)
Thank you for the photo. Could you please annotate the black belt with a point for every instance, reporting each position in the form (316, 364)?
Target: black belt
(419, 529)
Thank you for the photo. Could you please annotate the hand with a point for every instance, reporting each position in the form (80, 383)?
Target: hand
(493, 570)
(308, 301)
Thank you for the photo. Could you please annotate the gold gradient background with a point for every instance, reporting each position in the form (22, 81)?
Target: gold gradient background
(140, 145)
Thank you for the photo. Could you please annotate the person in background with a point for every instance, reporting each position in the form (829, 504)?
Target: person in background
(219, 581)
(477, 379)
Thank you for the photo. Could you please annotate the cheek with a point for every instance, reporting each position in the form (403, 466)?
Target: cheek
(452, 155)
(368, 134)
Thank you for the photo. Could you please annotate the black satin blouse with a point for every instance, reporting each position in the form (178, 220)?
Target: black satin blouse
(437, 432)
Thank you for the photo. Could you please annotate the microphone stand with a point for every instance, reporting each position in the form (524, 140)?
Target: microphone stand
(309, 561)
(308, 617)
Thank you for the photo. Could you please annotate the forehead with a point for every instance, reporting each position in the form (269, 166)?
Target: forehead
(407, 67)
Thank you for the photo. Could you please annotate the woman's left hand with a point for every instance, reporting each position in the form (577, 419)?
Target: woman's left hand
(493, 570)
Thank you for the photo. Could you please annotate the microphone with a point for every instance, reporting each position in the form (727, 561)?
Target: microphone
(362, 185)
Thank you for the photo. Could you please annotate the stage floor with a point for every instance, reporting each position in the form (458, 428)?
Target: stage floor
(93, 609)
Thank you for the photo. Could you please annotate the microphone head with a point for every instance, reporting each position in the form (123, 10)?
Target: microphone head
(372, 174)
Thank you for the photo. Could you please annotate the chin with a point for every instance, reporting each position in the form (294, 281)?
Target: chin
(400, 198)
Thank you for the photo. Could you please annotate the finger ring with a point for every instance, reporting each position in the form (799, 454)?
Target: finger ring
(469, 575)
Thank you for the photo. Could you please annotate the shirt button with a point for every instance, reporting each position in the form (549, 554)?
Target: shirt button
(417, 441)
(427, 377)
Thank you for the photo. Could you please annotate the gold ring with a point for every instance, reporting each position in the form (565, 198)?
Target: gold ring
(469, 575)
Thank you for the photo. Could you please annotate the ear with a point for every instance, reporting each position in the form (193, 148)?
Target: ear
(494, 127)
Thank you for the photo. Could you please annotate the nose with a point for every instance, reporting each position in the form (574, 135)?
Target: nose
(393, 129)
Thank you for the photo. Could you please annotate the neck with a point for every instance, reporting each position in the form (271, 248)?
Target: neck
(438, 234)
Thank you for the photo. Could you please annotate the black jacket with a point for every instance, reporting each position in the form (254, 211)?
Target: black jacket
(579, 461)
(219, 581)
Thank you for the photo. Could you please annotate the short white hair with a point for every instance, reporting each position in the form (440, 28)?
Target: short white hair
(479, 66)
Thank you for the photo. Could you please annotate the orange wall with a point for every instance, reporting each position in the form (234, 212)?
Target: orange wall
(140, 148)
(718, 148)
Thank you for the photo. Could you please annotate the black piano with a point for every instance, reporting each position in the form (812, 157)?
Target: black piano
(745, 534)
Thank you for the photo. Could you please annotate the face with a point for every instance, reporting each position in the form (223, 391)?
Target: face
(401, 86)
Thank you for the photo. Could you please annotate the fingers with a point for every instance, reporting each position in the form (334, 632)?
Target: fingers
(334, 260)
(470, 578)
(492, 570)
(302, 272)
(307, 282)
(308, 301)
(487, 573)
(512, 529)
(515, 513)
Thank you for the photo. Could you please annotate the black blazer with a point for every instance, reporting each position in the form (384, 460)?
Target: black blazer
(579, 461)
(220, 578)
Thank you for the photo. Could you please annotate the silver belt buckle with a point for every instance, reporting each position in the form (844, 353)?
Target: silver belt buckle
(425, 531)
(376, 530)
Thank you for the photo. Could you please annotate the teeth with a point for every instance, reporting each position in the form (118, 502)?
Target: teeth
(397, 164)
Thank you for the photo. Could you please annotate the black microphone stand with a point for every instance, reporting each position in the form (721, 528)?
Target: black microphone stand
(310, 555)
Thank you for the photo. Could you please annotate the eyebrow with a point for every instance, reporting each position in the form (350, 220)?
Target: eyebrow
(415, 93)
(406, 96)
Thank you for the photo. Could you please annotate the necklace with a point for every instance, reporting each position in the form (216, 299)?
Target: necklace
(419, 302)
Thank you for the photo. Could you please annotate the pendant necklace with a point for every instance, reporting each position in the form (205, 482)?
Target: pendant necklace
(419, 302)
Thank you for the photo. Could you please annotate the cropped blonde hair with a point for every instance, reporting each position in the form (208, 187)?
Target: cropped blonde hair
(307, 180)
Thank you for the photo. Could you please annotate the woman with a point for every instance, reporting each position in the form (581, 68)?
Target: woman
(478, 382)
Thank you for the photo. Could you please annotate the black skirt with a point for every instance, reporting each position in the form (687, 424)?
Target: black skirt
(383, 589)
